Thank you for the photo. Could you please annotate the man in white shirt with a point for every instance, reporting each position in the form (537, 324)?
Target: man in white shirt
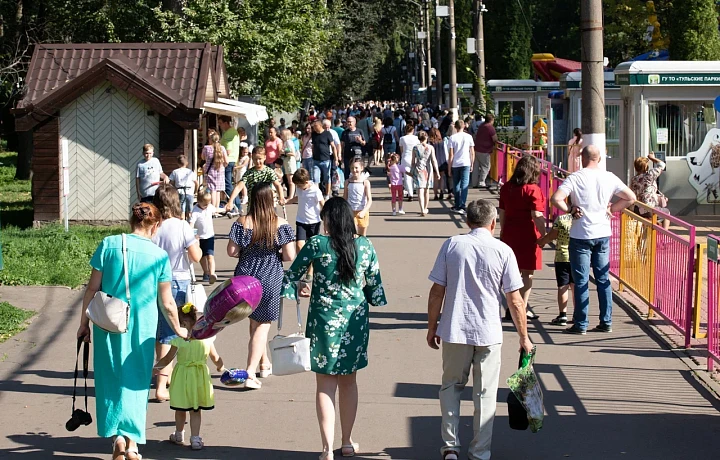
(470, 275)
(461, 157)
(407, 144)
(590, 191)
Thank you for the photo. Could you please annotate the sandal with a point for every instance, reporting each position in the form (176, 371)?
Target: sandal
(253, 383)
(349, 450)
(119, 455)
(178, 437)
(196, 443)
(133, 450)
(265, 372)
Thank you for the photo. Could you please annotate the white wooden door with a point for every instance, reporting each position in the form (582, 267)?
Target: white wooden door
(106, 129)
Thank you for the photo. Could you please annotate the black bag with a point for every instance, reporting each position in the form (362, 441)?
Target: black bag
(388, 137)
(80, 417)
(517, 415)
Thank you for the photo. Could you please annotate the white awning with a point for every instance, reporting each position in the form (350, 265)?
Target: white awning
(253, 113)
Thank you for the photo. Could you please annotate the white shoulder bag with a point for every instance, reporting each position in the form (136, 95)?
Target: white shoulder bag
(290, 354)
(110, 313)
(196, 294)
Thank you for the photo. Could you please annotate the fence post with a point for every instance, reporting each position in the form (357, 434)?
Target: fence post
(697, 306)
(651, 274)
(621, 255)
(689, 289)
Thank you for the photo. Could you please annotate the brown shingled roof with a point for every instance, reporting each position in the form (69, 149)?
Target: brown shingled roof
(182, 68)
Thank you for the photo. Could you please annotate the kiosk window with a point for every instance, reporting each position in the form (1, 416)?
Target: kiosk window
(511, 113)
(683, 124)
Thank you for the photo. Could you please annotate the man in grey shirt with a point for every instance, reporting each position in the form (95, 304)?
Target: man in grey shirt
(470, 273)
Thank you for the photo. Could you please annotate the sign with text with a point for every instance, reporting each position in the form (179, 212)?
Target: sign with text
(662, 135)
(655, 79)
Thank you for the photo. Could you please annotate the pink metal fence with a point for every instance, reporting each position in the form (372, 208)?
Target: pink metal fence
(713, 334)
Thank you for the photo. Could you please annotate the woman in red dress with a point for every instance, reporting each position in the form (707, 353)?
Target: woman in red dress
(522, 222)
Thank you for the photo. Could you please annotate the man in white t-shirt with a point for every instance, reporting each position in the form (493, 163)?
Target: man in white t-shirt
(407, 144)
(590, 191)
(461, 157)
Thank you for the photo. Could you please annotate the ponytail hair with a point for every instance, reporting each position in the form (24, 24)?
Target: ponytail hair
(218, 162)
(144, 216)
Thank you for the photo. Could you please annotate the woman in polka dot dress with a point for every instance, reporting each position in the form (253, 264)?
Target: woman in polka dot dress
(262, 241)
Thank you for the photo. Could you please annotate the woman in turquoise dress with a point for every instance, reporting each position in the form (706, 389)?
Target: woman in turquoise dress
(123, 363)
(346, 280)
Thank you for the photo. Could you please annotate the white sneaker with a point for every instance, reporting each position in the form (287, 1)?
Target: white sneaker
(401, 212)
(394, 213)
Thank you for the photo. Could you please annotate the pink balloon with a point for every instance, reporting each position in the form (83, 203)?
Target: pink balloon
(231, 302)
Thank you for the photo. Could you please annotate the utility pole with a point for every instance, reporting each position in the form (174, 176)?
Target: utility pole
(453, 64)
(438, 58)
(480, 52)
(593, 81)
(428, 51)
(421, 49)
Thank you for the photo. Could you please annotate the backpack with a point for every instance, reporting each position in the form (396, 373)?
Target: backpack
(388, 137)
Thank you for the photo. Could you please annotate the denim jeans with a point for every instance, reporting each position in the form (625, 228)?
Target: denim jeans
(461, 180)
(309, 164)
(165, 333)
(585, 254)
(321, 173)
(229, 182)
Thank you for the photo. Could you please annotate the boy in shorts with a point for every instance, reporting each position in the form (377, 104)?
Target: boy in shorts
(310, 202)
(201, 219)
(563, 274)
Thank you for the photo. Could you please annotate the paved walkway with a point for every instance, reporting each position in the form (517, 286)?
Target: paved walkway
(607, 396)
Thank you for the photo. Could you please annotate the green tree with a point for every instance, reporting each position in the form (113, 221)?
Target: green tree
(693, 27)
(273, 48)
(508, 43)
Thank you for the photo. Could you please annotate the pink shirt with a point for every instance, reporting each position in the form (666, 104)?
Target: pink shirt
(272, 150)
(396, 177)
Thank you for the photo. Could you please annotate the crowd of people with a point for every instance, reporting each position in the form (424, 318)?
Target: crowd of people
(339, 270)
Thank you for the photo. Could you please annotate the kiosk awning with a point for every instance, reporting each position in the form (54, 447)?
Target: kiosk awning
(253, 113)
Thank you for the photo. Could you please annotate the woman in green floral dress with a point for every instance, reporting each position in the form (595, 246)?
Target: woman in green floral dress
(346, 280)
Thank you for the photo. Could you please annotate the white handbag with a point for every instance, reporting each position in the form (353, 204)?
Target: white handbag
(290, 354)
(110, 313)
(196, 294)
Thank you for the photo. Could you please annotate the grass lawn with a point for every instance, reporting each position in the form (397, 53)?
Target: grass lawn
(45, 256)
(12, 320)
(15, 198)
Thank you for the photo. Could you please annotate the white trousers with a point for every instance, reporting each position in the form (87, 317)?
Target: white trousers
(409, 185)
(485, 362)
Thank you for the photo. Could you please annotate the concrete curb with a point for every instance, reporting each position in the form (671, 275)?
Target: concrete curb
(697, 369)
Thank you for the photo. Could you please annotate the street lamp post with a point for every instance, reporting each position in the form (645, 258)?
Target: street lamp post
(438, 56)
(453, 64)
(428, 51)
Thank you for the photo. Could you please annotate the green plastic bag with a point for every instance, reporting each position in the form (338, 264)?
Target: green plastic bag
(525, 386)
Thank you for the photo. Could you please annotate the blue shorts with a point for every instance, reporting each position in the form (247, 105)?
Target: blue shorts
(207, 246)
(165, 333)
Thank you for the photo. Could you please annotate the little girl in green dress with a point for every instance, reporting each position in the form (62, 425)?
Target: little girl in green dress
(191, 389)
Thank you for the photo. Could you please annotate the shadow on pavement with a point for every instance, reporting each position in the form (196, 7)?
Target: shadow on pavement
(590, 437)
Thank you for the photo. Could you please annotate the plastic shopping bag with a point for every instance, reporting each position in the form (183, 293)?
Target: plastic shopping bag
(525, 387)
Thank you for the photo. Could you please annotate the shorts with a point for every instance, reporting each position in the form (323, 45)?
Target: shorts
(364, 222)
(443, 168)
(306, 231)
(563, 274)
(207, 246)
(165, 333)
(289, 165)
